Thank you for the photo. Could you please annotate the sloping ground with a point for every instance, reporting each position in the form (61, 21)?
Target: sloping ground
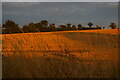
(74, 54)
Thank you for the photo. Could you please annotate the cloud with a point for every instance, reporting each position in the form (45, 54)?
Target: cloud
(60, 0)
(60, 12)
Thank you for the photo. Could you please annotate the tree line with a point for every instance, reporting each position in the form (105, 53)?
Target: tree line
(43, 26)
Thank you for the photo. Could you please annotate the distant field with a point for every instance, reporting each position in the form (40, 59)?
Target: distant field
(63, 54)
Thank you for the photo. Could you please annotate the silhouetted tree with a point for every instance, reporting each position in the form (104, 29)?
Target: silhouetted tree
(112, 25)
(44, 23)
(90, 24)
(62, 27)
(80, 27)
(98, 27)
(52, 27)
(43, 26)
(40, 27)
(37, 26)
(32, 27)
(27, 29)
(74, 27)
(68, 26)
(58, 29)
(11, 27)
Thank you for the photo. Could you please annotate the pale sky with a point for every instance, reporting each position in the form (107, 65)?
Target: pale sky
(100, 13)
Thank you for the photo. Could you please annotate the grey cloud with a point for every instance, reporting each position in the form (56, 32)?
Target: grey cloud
(60, 0)
(60, 13)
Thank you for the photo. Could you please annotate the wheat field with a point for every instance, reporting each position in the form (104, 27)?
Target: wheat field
(62, 54)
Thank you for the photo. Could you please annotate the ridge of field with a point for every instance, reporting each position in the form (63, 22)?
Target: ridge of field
(56, 40)
(62, 54)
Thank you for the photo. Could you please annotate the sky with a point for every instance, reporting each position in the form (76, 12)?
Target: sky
(100, 13)
(60, 0)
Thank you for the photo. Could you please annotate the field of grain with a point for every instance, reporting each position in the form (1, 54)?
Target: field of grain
(63, 54)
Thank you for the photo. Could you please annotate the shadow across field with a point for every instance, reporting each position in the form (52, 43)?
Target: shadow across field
(96, 39)
(73, 58)
(20, 65)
